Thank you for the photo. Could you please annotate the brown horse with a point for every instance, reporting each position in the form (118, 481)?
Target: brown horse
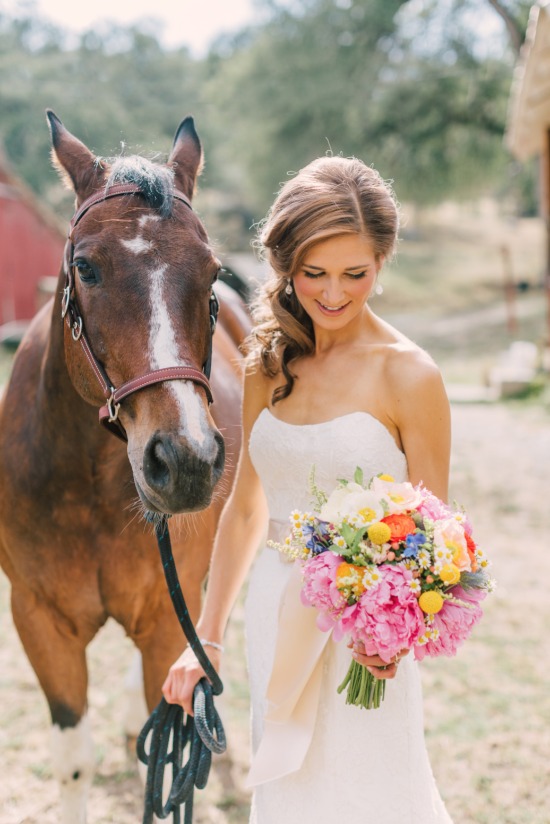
(73, 541)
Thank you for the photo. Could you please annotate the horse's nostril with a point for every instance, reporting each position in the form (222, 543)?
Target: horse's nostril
(219, 462)
(156, 463)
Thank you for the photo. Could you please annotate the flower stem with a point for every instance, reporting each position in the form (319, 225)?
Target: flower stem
(364, 690)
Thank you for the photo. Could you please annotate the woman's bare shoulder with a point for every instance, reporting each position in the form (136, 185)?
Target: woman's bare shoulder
(405, 359)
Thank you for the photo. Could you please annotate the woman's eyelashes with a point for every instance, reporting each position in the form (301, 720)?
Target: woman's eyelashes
(352, 275)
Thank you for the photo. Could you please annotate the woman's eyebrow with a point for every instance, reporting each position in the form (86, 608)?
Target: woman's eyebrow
(347, 268)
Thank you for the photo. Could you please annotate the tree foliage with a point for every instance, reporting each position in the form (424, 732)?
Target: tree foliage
(412, 86)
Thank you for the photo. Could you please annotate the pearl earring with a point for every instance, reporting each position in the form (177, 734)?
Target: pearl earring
(378, 289)
(288, 288)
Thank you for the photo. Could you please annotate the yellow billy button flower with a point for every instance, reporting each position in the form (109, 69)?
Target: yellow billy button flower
(430, 602)
(389, 478)
(379, 533)
(450, 574)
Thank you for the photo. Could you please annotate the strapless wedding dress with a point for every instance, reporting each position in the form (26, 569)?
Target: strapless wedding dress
(363, 766)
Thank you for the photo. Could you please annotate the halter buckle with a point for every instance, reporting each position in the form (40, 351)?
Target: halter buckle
(214, 309)
(76, 328)
(112, 406)
(65, 300)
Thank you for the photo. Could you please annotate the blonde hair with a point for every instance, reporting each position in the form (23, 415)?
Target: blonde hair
(328, 197)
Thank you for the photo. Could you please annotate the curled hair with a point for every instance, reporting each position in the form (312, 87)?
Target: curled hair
(330, 196)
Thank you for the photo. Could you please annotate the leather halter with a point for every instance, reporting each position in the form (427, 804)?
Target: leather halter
(70, 311)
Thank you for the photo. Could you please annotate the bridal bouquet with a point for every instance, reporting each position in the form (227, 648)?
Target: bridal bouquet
(391, 565)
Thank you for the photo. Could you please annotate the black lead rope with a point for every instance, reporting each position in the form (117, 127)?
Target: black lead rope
(203, 733)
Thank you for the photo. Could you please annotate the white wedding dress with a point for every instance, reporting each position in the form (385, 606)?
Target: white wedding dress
(365, 766)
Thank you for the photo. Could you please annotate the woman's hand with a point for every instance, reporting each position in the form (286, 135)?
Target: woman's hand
(375, 665)
(184, 675)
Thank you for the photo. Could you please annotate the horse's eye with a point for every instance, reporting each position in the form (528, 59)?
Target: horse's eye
(85, 271)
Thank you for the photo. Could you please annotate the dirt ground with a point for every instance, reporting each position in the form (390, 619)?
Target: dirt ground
(487, 712)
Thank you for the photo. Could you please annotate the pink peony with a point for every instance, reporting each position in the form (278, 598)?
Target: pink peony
(319, 588)
(387, 618)
(433, 507)
(454, 622)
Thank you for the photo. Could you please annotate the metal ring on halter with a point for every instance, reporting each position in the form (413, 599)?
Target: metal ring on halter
(214, 309)
(76, 328)
(65, 300)
(112, 406)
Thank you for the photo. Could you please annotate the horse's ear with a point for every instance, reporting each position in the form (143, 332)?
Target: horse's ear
(186, 156)
(80, 170)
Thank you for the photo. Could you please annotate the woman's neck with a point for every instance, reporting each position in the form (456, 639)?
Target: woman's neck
(356, 330)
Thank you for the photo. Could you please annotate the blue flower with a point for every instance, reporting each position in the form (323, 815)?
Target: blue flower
(317, 541)
(413, 544)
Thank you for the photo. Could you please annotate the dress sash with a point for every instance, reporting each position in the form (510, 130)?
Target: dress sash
(294, 684)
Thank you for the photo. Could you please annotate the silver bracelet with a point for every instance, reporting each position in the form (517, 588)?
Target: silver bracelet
(213, 644)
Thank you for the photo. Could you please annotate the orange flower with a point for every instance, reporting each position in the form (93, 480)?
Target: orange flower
(400, 525)
(471, 545)
(350, 575)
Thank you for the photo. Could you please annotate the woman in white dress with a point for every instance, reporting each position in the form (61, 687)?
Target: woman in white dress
(329, 384)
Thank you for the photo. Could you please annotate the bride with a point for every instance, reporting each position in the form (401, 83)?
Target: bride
(328, 384)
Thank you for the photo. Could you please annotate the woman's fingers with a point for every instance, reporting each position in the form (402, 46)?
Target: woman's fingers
(182, 678)
(377, 666)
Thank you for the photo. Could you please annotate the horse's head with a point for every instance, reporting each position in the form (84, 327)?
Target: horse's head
(142, 274)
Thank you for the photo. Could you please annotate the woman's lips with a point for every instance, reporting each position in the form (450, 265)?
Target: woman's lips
(330, 311)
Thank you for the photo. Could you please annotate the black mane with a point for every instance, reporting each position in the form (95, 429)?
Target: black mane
(156, 182)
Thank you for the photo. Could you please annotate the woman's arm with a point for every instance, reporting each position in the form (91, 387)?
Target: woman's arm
(240, 530)
(420, 410)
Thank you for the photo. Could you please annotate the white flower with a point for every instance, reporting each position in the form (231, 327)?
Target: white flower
(400, 497)
(450, 542)
(352, 500)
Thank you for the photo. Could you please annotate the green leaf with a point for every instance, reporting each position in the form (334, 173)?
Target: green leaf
(348, 533)
(358, 476)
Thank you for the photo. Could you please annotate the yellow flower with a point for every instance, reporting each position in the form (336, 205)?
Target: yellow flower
(379, 533)
(389, 478)
(450, 574)
(367, 513)
(430, 602)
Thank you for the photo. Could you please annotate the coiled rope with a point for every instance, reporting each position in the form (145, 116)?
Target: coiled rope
(167, 724)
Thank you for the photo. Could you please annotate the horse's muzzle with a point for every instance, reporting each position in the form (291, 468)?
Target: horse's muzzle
(178, 477)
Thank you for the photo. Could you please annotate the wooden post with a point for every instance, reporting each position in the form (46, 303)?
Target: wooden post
(509, 290)
(546, 206)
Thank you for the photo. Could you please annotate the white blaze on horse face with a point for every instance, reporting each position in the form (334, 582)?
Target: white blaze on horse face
(163, 352)
(138, 245)
(73, 767)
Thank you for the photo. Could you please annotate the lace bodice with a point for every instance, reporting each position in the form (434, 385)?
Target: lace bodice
(283, 455)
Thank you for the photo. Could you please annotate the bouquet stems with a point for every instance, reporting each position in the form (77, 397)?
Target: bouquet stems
(364, 690)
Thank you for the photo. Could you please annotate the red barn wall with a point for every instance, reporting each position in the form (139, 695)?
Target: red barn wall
(31, 248)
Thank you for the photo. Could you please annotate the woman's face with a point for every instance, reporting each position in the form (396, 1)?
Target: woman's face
(335, 280)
